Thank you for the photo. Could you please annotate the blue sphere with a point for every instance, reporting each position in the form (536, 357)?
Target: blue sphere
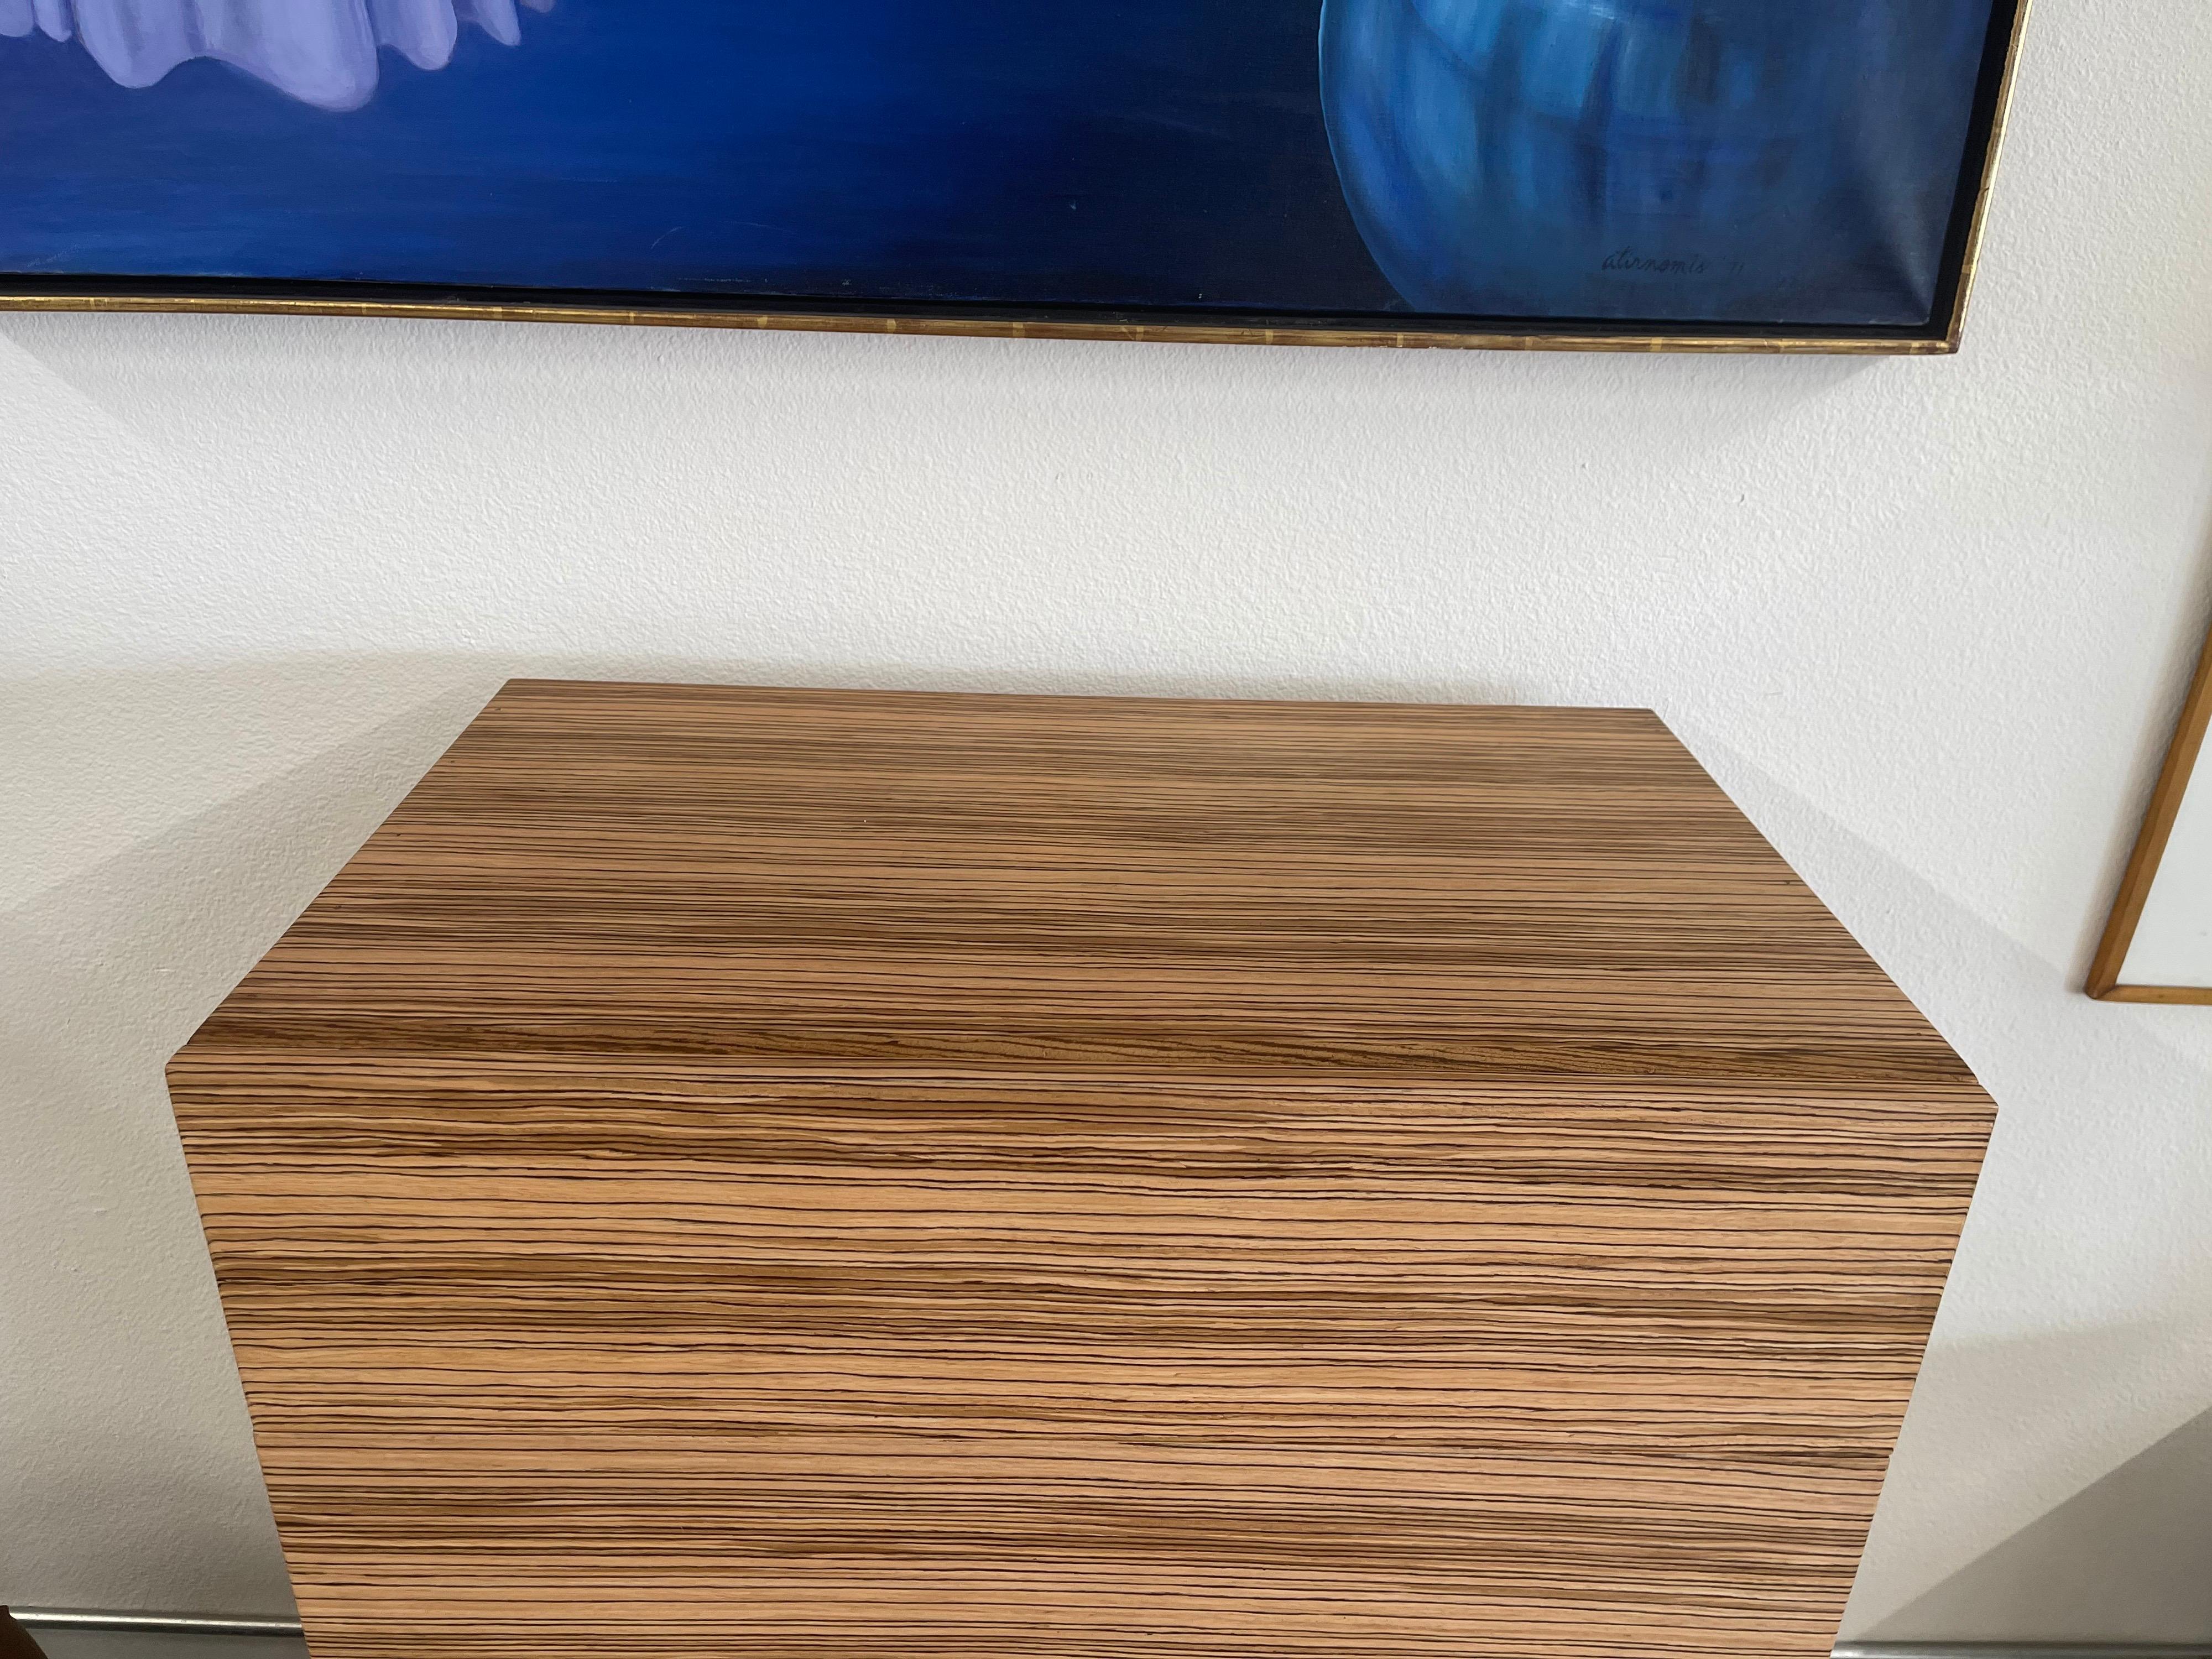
(1761, 162)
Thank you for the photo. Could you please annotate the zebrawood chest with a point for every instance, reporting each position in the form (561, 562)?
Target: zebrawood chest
(828, 1175)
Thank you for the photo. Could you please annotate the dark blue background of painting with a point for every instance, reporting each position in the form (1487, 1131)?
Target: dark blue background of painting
(1163, 152)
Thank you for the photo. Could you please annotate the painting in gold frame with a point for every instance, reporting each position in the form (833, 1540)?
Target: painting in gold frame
(1720, 176)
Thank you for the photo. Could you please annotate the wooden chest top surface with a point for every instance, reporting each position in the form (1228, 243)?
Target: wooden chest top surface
(1094, 883)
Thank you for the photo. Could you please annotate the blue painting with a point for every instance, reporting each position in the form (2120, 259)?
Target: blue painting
(1755, 164)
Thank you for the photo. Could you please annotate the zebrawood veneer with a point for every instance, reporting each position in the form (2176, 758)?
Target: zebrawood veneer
(823, 1175)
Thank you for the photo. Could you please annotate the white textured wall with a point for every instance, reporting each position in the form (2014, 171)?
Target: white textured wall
(1928, 620)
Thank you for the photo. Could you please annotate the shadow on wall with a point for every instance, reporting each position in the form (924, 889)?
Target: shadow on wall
(2129, 1559)
(137, 901)
(1995, 1428)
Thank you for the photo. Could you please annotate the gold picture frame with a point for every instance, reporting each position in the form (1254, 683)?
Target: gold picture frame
(1940, 336)
(2103, 982)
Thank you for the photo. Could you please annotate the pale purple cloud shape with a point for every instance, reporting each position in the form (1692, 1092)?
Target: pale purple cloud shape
(320, 51)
